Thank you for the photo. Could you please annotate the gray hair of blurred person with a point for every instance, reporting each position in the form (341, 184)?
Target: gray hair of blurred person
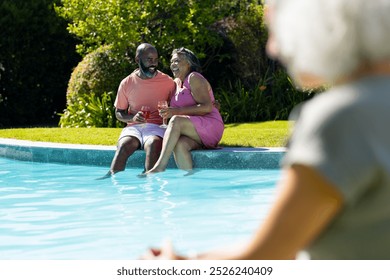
(190, 57)
(330, 38)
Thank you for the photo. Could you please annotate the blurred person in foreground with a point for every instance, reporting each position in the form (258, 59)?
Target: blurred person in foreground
(143, 87)
(195, 119)
(333, 197)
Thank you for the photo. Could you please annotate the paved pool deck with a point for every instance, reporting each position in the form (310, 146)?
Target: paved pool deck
(224, 158)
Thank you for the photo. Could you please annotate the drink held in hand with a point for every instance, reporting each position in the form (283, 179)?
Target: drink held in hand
(163, 105)
(145, 112)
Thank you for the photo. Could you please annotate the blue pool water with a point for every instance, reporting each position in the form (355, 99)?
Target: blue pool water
(55, 211)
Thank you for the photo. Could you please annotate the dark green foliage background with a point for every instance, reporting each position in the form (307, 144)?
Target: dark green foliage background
(36, 59)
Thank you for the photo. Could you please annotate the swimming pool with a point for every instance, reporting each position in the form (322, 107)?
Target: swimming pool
(59, 211)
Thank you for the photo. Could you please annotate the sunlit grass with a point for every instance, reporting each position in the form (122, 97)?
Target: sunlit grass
(259, 134)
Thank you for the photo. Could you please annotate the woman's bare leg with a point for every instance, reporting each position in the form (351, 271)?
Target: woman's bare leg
(178, 126)
(182, 152)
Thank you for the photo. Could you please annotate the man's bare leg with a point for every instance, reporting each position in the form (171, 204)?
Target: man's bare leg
(126, 147)
(152, 149)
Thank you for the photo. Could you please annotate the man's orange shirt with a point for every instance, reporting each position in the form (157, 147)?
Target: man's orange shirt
(134, 92)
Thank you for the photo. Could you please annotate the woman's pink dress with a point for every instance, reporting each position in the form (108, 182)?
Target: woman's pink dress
(209, 127)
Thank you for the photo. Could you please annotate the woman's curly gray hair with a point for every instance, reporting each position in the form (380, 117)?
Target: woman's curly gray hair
(330, 38)
(190, 57)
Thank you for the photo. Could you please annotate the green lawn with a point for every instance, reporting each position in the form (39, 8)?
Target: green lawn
(259, 134)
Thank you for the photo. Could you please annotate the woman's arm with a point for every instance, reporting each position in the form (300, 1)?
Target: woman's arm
(305, 206)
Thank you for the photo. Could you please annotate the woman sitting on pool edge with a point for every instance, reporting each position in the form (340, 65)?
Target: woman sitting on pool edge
(195, 122)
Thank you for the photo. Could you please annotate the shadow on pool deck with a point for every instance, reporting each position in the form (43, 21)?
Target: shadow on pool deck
(224, 158)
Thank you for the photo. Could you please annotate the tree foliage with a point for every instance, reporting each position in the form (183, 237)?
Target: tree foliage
(167, 24)
(227, 35)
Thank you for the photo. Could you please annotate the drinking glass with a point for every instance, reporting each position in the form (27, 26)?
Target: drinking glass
(145, 112)
(163, 105)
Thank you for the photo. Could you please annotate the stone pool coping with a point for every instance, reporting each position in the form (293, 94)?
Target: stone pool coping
(224, 158)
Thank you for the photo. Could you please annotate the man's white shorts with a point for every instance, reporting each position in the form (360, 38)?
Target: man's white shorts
(143, 132)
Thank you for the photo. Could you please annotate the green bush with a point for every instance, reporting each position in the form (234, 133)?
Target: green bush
(283, 95)
(92, 89)
(91, 111)
(272, 99)
(246, 36)
(100, 71)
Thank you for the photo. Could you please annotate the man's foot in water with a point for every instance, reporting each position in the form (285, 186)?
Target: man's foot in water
(108, 175)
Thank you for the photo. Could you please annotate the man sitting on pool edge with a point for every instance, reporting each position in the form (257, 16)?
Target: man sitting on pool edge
(145, 86)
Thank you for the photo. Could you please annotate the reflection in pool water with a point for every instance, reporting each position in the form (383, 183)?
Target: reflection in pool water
(55, 211)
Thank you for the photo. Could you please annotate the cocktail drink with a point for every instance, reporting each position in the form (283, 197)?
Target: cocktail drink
(145, 112)
(163, 105)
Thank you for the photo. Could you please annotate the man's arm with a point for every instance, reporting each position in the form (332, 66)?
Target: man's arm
(124, 116)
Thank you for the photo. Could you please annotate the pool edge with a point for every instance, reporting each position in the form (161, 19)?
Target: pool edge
(100, 155)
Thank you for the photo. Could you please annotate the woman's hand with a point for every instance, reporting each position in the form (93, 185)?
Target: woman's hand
(166, 252)
(166, 113)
